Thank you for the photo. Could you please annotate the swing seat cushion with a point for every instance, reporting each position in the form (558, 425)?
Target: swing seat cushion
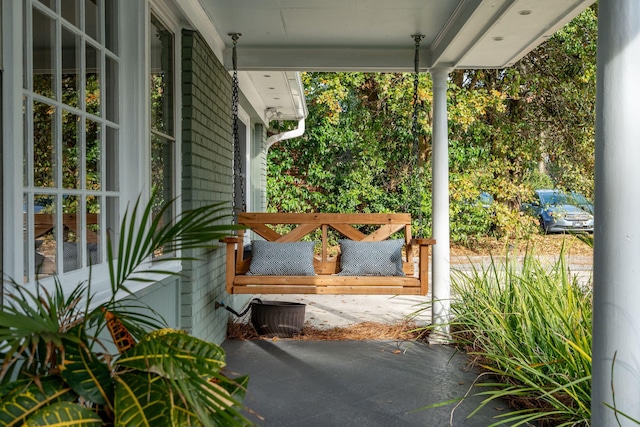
(281, 259)
(382, 258)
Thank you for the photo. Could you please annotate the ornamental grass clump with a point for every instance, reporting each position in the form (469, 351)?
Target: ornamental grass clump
(528, 326)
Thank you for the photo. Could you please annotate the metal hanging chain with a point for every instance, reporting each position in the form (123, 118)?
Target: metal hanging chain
(416, 63)
(238, 177)
(417, 38)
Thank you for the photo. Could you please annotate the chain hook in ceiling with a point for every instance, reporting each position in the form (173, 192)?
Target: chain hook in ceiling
(234, 57)
(417, 38)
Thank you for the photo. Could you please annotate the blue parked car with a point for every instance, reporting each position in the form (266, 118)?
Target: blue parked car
(583, 203)
(485, 199)
(559, 212)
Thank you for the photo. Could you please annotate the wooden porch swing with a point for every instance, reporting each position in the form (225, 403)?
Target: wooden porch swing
(368, 263)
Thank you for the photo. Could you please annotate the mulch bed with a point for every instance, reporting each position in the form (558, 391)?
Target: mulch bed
(550, 244)
(366, 331)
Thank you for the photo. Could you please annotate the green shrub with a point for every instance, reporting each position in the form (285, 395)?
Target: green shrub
(529, 326)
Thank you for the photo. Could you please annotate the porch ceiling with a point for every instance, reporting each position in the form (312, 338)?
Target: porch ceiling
(374, 35)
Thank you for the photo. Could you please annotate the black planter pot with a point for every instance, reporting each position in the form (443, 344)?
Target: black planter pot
(277, 318)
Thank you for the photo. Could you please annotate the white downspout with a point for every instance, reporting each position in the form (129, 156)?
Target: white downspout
(294, 133)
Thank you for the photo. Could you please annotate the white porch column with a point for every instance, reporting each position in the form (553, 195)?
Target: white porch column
(616, 316)
(441, 281)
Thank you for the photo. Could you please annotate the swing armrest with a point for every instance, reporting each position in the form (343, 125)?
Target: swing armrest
(423, 265)
(233, 240)
(423, 242)
(233, 262)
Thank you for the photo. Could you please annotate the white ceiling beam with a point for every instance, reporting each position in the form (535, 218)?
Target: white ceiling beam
(452, 30)
(327, 59)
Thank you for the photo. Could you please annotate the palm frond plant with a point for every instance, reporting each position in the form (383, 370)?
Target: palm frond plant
(57, 369)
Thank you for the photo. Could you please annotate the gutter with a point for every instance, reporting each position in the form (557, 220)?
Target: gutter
(296, 89)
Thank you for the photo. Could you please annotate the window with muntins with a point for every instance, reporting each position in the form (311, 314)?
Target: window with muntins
(71, 133)
(162, 107)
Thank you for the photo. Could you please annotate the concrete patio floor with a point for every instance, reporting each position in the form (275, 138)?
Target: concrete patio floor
(356, 383)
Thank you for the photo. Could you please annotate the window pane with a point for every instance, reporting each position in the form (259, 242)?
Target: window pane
(111, 90)
(93, 80)
(111, 160)
(44, 227)
(44, 36)
(71, 234)
(44, 148)
(27, 247)
(70, 10)
(94, 251)
(161, 78)
(49, 3)
(94, 155)
(162, 167)
(111, 26)
(112, 212)
(239, 181)
(26, 115)
(162, 179)
(92, 19)
(70, 68)
(70, 150)
(25, 48)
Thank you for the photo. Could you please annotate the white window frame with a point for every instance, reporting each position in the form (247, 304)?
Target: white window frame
(162, 12)
(134, 135)
(139, 120)
(12, 138)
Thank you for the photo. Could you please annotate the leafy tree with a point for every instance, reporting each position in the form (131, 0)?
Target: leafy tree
(358, 154)
(511, 131)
